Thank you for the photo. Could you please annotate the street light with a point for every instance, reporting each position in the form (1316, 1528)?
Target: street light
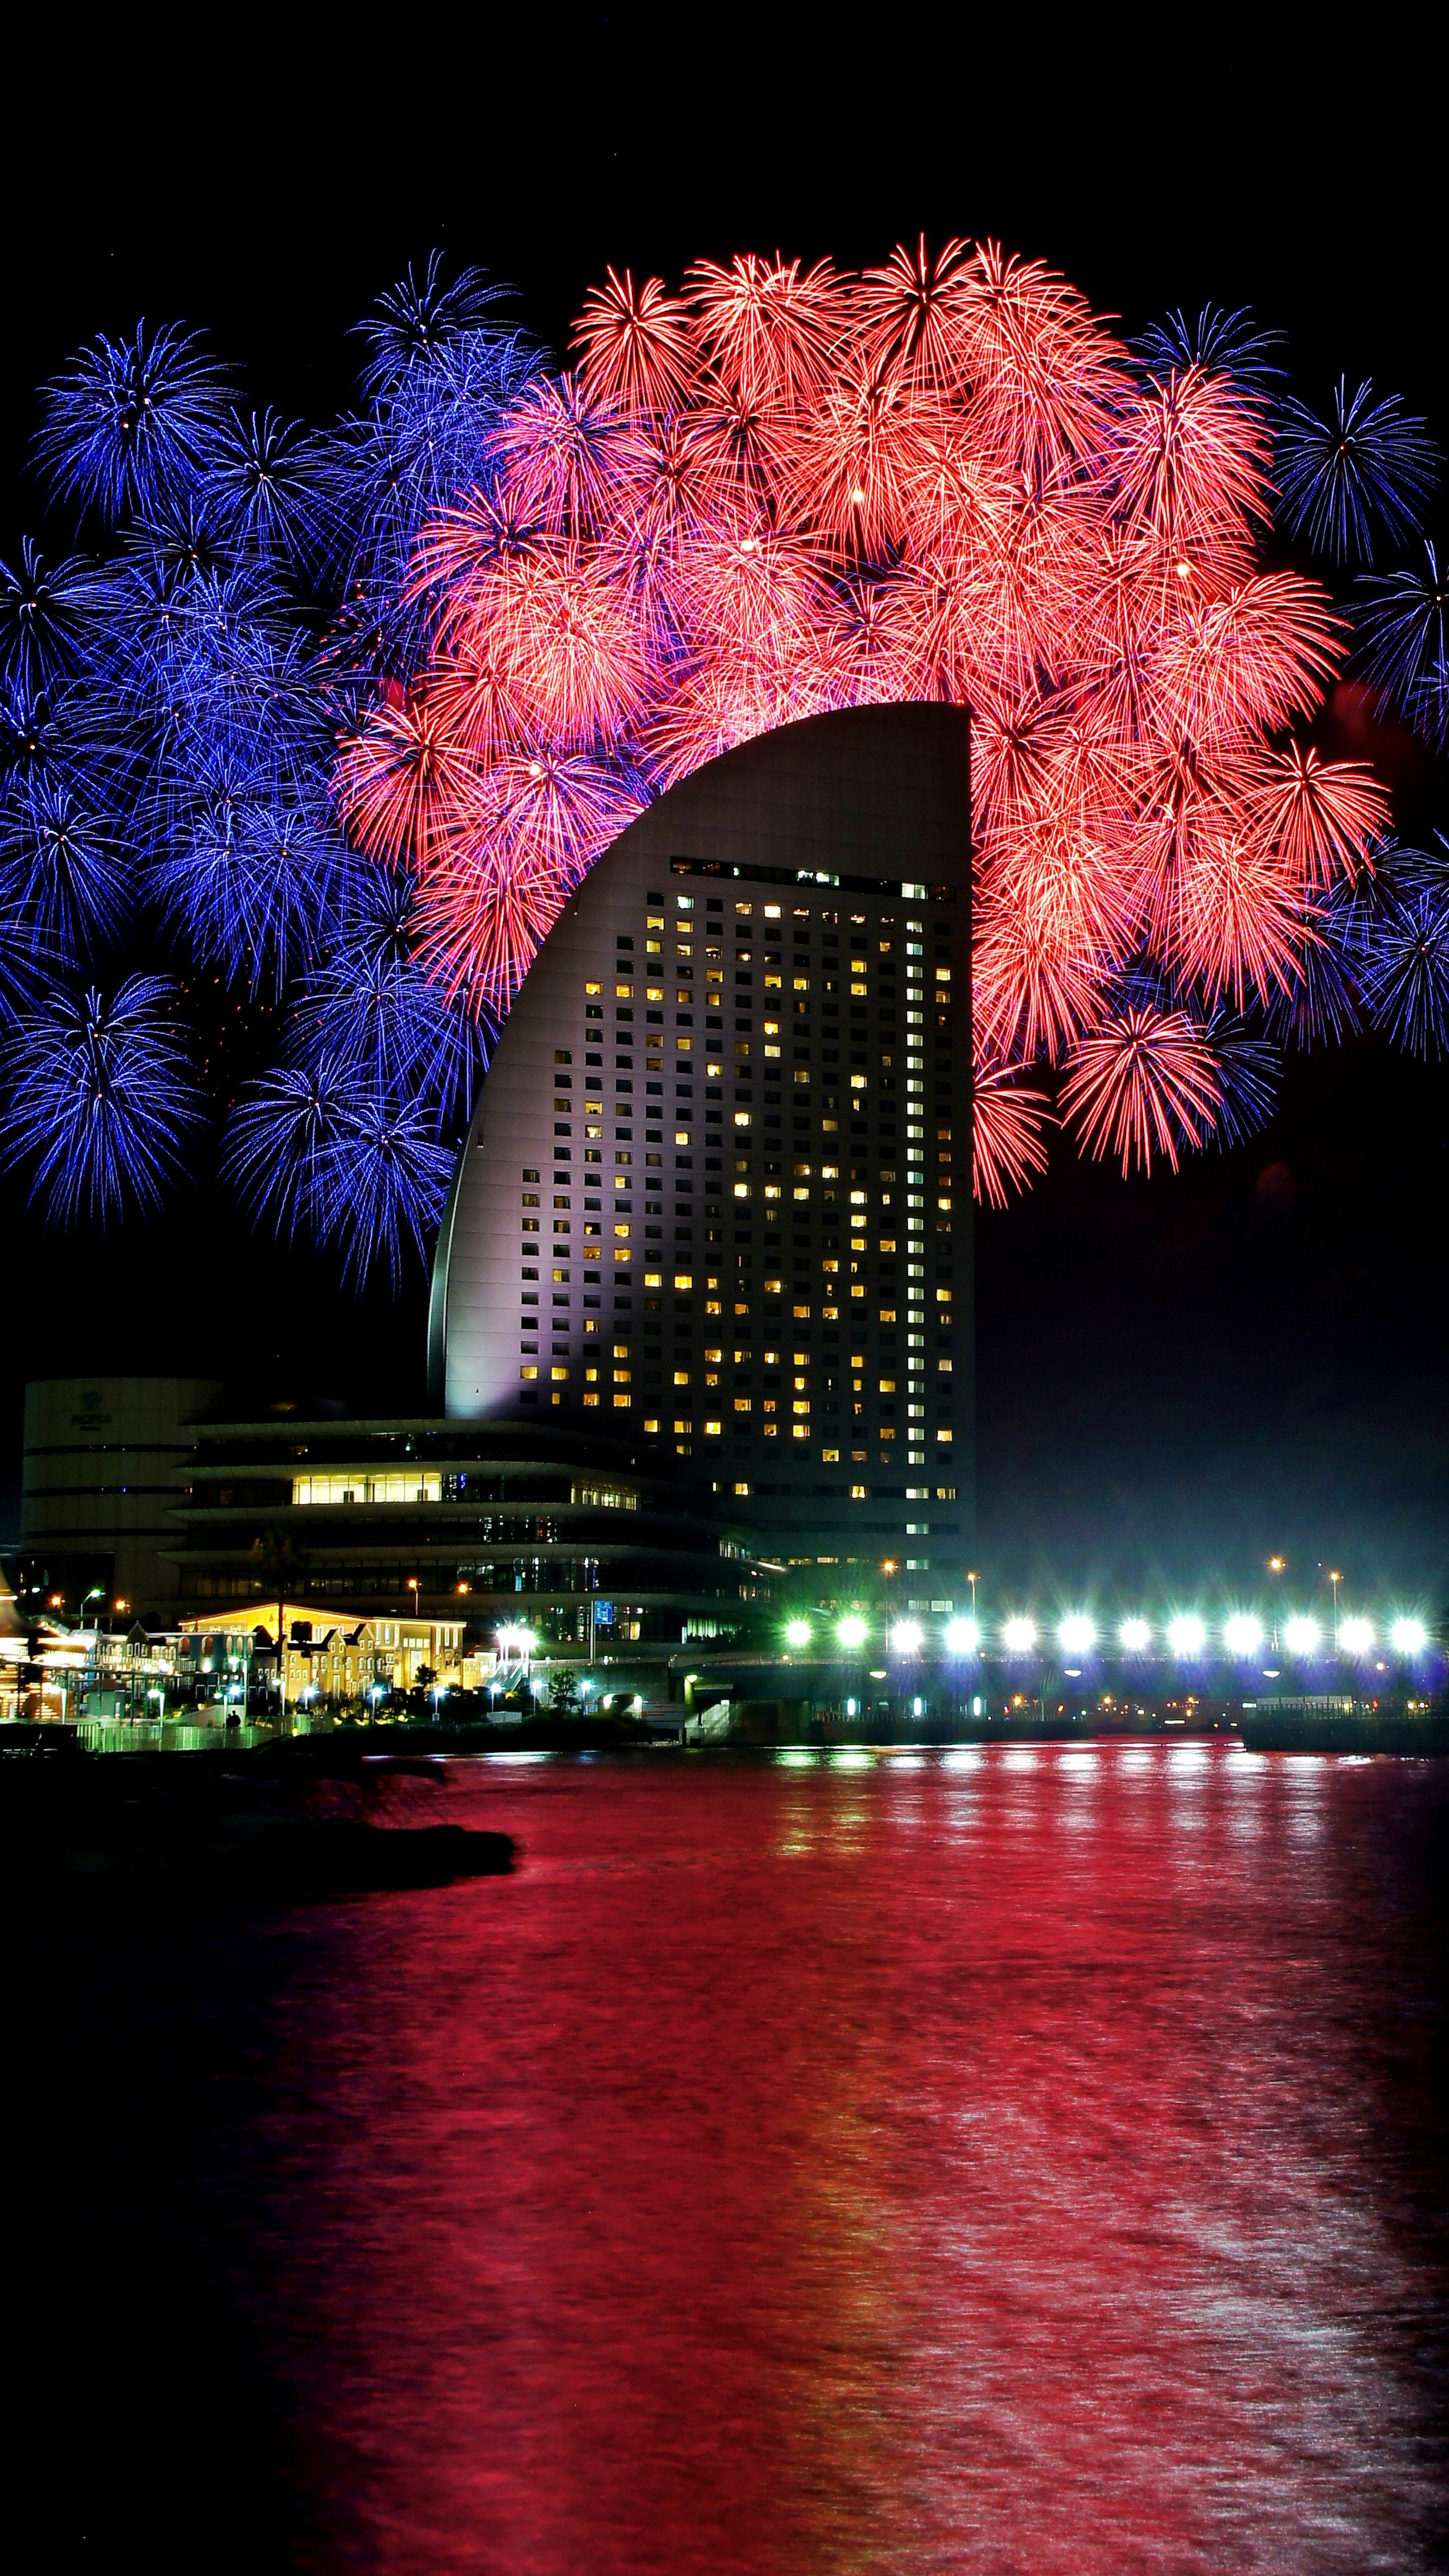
(906, 1638)
(1407, 1636)
(851, 1631)
(1018, 1635)
(1186, 1634)
(797, 1633)
(962, 1637)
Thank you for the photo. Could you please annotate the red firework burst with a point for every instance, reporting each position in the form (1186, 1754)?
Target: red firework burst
(783, 490)
(1143, 1084)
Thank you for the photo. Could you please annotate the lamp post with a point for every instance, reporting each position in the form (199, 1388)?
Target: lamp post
(1335, 1580)
(1276, 1565)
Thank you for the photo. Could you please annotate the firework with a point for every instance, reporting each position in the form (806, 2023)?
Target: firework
(63, 875)
(1370, 465)
(1405, 977)
(359, 708)
(262, 482)
(1008, 1123)
(46, 615)
(130, 422)
(359, 1174)
(1404, 627)
(416, 319)
(247, 881)
(635, 347)
(1217, 342)
(1143, 1084)
(102, 1099)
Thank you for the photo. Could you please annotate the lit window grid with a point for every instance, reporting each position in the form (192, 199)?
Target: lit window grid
(911, 1305)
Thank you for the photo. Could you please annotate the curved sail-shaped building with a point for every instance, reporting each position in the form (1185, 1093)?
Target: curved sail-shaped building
(715, 1202)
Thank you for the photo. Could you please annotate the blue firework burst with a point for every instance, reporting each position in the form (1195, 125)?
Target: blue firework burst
(285, 1131)
(415, 319)
(381, 1017)
(248, 882)
(1406, 971)
(1404, 642)
(1369, 468)
(422, 446)
(1247, 1070)
(47, 618)
(261, 482)
(65, 879)
(363, 1175)
(387, 1188)
(1229, 344)
(101, 1099)
(130, 423)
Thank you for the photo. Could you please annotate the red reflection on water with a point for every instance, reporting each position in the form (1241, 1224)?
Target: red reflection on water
(1014, 2160)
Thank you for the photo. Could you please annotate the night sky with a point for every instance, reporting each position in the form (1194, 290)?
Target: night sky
(1177, 1376)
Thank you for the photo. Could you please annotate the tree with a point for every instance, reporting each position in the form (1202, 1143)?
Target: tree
(563, 1692)
(279, 1561)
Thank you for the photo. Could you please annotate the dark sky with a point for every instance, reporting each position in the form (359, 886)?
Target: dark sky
(1178, 1375)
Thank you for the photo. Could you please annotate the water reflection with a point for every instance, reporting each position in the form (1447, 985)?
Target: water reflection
(969, 2194)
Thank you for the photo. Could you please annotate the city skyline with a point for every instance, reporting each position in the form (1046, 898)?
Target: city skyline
(1140, 1344)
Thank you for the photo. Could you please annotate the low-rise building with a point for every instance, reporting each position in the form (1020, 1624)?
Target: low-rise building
(336, 1662)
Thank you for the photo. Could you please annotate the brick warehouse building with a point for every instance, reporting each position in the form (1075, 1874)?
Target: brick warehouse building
(715, 1200)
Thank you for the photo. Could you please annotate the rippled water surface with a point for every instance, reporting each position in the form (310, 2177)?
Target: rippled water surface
(1015, 2159)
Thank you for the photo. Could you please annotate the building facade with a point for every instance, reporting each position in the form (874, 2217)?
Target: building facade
(475, 1523)
(105, 1461)
(715, 1202)
(324, 1661)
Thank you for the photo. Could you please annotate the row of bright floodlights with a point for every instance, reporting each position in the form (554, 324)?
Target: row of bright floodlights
(1185, 1635)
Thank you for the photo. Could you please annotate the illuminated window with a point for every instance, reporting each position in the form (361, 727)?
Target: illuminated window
(407, 1485)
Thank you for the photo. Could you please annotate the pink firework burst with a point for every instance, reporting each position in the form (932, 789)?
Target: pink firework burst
(1142, 1084)
(783, 489)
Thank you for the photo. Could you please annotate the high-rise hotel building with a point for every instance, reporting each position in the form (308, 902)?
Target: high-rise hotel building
(715, 1202)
